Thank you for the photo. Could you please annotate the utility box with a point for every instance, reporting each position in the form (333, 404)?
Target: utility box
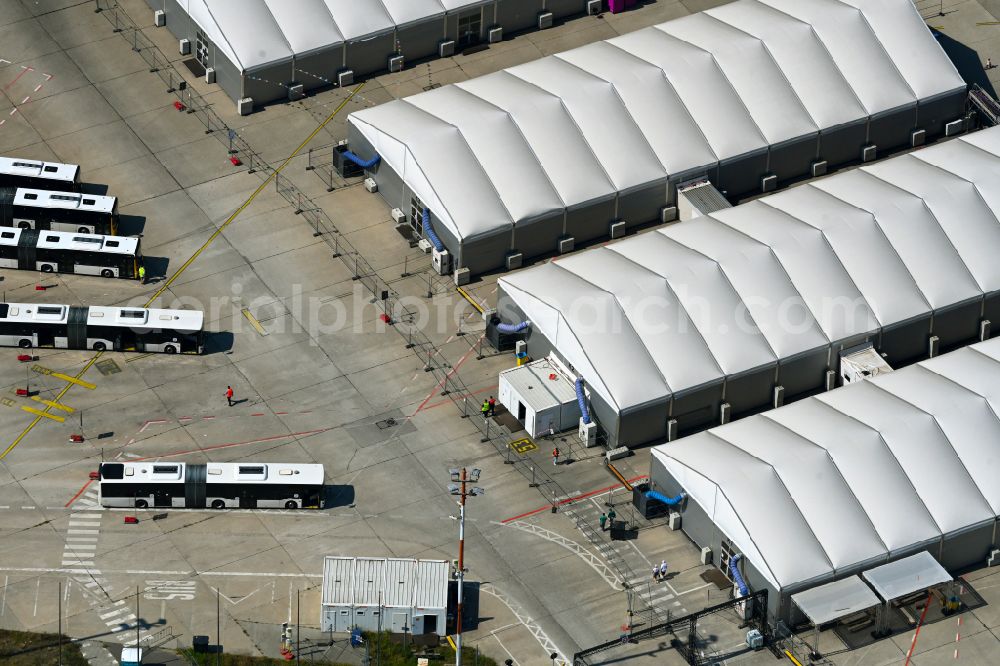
(918, 137)
(587, 432)
(617, 229)
(668, 214)
(446, 48)
(345, 167)
(159, 18)
(494, 35)
(954, 127)
(862, 362)
(345, 77)
(209, 75)
(441, 261)
(395, 63)
(502, 342)
(594, 7)
(398, 216)
(184, 46)
(371, 185)
(514, 260)
(566, 244)
(706, 555)
(818, 168)
(544, 20)
(868, 153)
(768, 183)
(674, 521)
(540, 396)
(245, 106)
(462, 276)
(296, 91)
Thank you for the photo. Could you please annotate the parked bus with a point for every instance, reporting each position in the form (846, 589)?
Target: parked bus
(65, 252)
(244, 485)
(24, 208)
(18, 172)
(28, 325)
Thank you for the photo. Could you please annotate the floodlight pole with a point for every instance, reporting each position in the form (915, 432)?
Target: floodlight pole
(461, 571)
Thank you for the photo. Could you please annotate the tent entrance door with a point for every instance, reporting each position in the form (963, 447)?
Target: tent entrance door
(470, 28)
(522, 411)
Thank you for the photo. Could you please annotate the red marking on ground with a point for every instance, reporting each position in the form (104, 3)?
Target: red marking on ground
(24, 70)
(451, 372)
(80, 492)
(304, 433)
(569, 500)
(280, 413)
(257, 414)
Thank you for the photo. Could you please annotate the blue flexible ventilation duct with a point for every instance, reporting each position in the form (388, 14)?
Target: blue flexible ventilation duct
(429, 231)
(737, 576)
(581, 399)
(669, 501)
(513, 328)
(364, 164)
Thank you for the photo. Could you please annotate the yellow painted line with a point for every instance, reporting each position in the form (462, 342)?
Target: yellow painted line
(454, 647)
(471, 300)
(794, 660)
(137, 358)
(987, 22)
(254, 322)
(159, 292)
(54, 405)
(39, 414)
(267, 181)
(74, 380)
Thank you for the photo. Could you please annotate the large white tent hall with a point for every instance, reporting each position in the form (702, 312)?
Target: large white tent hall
(516, 163)
(672, 324)
(843, 482)
(258, 49)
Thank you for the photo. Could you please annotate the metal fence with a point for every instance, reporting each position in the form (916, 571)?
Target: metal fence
(929, 8)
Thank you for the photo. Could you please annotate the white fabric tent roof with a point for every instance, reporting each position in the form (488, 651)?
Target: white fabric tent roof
(910, 574)
(624, 113)
(668, 311)
(835, 600)
(257, 33)
(855, 475)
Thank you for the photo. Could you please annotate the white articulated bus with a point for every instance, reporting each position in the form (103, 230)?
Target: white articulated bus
(18, 172)
(24, 208)
(69, 252)
(243, 485)
(28, 325)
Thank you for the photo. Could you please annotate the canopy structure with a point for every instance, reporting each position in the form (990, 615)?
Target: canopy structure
(849, 479)
(910, 574)
(564, 145)
(670, 324)
(835, 600)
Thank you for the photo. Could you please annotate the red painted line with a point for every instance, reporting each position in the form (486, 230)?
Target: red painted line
(569, 500)
(469, 395)
(74, 498)
(24, 70)
(258, 414)
(280, 413)
(304, 433)
(451, 372)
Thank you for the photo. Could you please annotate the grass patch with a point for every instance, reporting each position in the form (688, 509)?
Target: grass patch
(22, 648)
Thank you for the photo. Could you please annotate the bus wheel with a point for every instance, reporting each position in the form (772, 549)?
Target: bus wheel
(170, 349)
(100, 346)
(24, 225)
(84, 230)
(107, 272)
(47, 268)
(24, 344)
(291, 504)
(218, 504)
(141, 504)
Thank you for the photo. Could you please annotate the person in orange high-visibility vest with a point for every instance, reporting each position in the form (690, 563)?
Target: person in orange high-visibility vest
(229, 395)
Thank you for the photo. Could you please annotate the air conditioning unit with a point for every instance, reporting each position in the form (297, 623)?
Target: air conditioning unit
(755, 640)
(566, 244)
(462, 276)
(184, 47)
(617, 229)
(544, 20)
(615, 454)
(768, 183)
(494, 35)
(209, 75)
(587, 432)
(395, 63)
(424, 245)
(818, 168)
(514, 260)
(441, 261)
(371, 185)
(245, 106)
(868, 153)
(668, 214)
(446, 48)
(345, 77)
(159, 18)
(296, 91)
(706, 555)
(954, 127)
(918, 137)
(594, 7)
(674, 522)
